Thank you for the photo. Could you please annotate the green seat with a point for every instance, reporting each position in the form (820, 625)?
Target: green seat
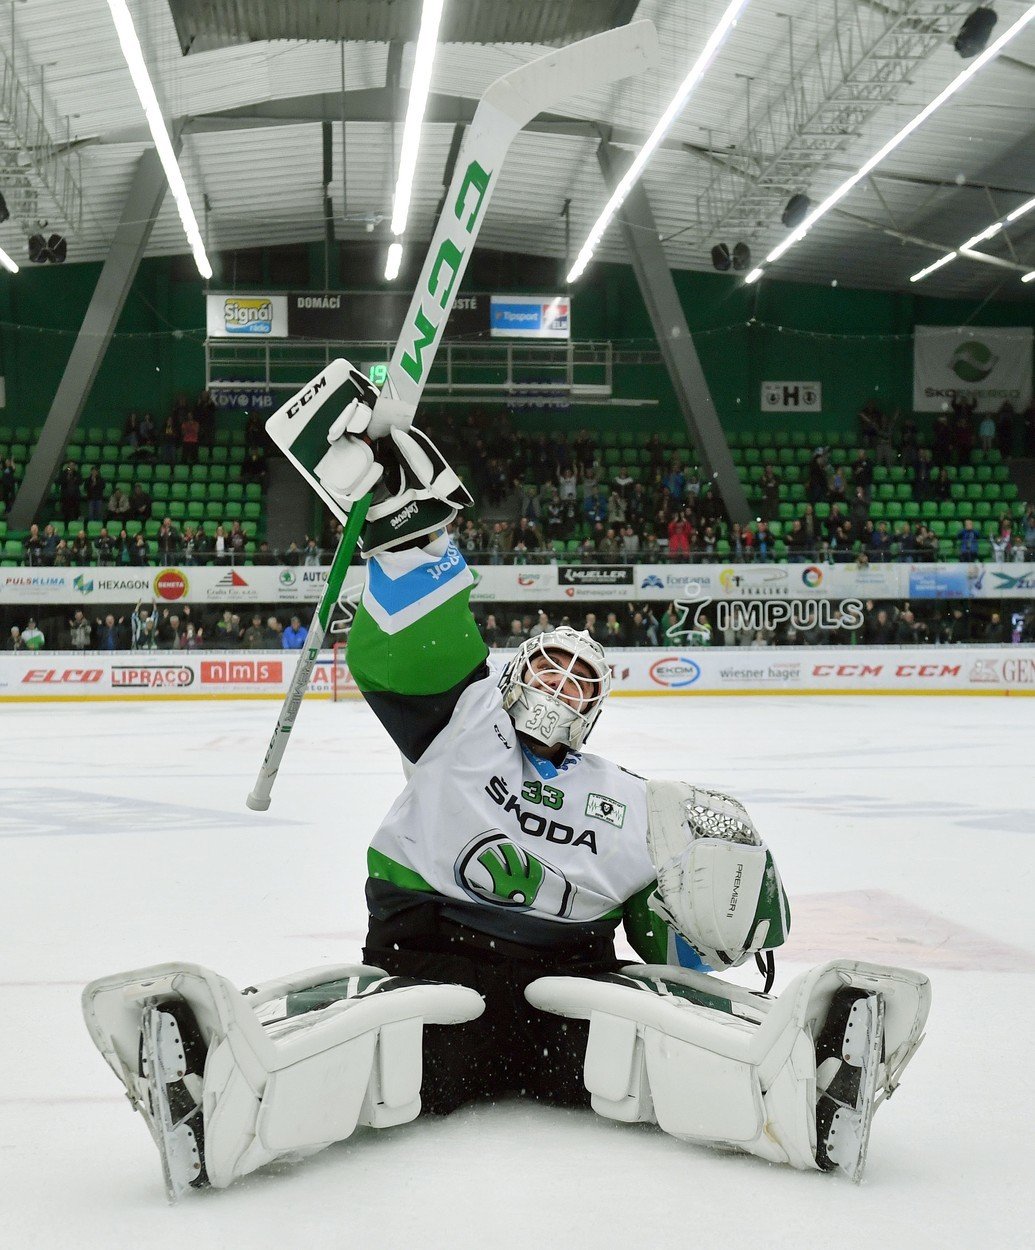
(163, 473)
(786, 457)
(195, 512)
(1000, 473)
(152, 527)
(176, 511)
(983, 473)
(92, 454)
(975, 491)
(947, 510)
(786, 512)
(751, 456)
(199, 473)
(12, 550)
(911, 510)
(252, 511)
(769, 455)
(217, 473)
(181, 473)
(133, 528)
(982, 510)
(885, 493)
(19, 451)
(950, 471)
(791, 474)
(144, 474)
(893, 510)
(897, 474)
(796, 492)
(903, 492)
(822, 511)
(237, 455)
(946, 550)
(957, 491)
(253, 491)
(178, 492)
(938, 528)
(220, 455)
(929, 509)
(966, 473)
(214, 511)
(93, 529)
(992, 491)
(234, 492)
(160, 492)
(197, 492)
(94, 435)
(612, 457)
(112, 452)
(880, 475)
(1009, 492)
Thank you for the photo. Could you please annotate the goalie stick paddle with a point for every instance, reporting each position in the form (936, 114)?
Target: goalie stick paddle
(299, 428)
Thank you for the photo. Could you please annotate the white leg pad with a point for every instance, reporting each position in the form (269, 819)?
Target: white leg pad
(741, 1077)
(295, 1084)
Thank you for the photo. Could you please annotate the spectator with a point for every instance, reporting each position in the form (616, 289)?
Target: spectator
(491, 632)
(837, 485)
(193, 638)
(613, 634)
(622, 484)
(146, 445)
(79, 631)
(797, 543)
(104, 547)
(862, 473)
(517, 634)
(13, 641)
(169, 633)
(879, 629)
(228, 630)
(680, 535)
(237, 541)
(310, 556)
(293, 638)
(139, 504)
(148, 640)
(109, 637)
(254, 467)
(941, 441)
(674, 481)
(968, 541)
(615, 509)
(70, 484)
(594, 507)
(870, 418)
(131, 432)
(190, 433)
(48, 544)
(62, 555)
(1029, 429)
(118, 506)
(8, 483)
(139, 552)
(997, 630)
(169, 441)
(204, 413)
(168, 540)
(630, 543)
(142, 613)
(957, 627)
(274, 633)
(80, 552)
(880, 544)
(922, 475)
(541, 626)
(764, 541)
(591, 626)
(986, 432)
(265, 554)
(609, 549)
(32, 636)
(202, 545)
(816, 490)
(940, 485)
(220, 547)
(769, 485)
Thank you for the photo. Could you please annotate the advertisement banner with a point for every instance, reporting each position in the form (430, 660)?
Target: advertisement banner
(699, 584)
(792, 397)
(989, 364)
(711, 671)
(242, 396)
(246, 316)
(316, 315)
(530, 316)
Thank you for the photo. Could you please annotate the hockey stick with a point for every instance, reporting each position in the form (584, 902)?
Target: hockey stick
(300, 427)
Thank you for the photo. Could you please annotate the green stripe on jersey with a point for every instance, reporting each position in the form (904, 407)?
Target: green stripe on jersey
(428, 657)
(384, 869)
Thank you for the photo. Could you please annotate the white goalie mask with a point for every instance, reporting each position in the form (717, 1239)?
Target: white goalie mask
(554, 687)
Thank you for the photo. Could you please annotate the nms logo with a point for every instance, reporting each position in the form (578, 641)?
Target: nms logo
(247, 316)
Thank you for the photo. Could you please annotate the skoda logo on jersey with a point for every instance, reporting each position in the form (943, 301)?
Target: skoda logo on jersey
(493, 869)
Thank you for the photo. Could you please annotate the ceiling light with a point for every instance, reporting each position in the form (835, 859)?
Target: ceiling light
(427, 42)
(944, 260)
(945, 94)
(1029, 277)
(664, 124)
(395, 255)
(134, 55)
(974, 32)
(10, 265)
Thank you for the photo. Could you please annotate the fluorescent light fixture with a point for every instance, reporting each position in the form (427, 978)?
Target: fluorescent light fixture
(427, 42)
(134, 55)
(395, 255)
(1029, 277)
(945, 94)
(1026, 207)
(697, 71)
(10, 265)
(944, 260)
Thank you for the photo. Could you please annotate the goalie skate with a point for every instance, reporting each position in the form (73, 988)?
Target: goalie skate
(849, 1055)
(171, 1062)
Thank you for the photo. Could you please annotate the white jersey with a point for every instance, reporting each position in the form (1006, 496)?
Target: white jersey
(483, 819)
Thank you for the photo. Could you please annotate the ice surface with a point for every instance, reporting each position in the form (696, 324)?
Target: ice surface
(904, 831)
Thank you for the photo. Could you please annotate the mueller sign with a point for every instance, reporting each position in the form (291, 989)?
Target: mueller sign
(595, 575)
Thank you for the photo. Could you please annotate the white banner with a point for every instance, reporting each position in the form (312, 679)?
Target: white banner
(46, 676)
(988, 363)
(246, 316)
(530, 316)
(792, 397)
(530, 583)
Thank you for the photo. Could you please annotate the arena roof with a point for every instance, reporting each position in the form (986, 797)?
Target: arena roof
(801, 94)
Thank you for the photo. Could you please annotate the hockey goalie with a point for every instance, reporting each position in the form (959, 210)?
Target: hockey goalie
(497, 880)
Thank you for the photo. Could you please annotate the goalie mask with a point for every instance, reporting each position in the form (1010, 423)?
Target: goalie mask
(554, 687)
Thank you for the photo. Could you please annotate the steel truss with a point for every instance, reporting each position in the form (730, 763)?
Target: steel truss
(832, 89)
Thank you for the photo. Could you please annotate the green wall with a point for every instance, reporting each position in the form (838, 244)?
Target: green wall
(857, 343)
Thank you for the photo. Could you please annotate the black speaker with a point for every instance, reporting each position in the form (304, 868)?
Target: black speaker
(50, 251)
(37, 249)
(58, 249)
(721, 257)
(741, 256)
(974, 32)
(5, 212)
(796, 211)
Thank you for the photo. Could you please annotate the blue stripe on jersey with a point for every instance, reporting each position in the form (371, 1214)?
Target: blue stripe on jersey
(398, 593)
(687, 957)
